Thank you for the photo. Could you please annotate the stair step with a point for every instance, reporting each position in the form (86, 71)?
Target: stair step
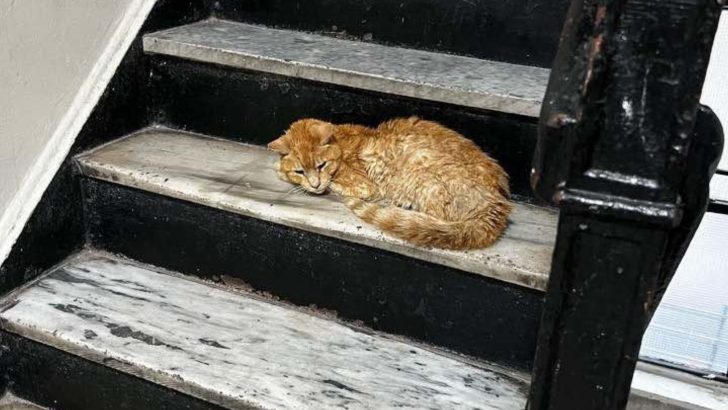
(465, 81)
(240, 178)
(522, 31)
(9, 401)
(238, 350)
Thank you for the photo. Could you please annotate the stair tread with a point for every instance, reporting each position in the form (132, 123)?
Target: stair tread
(237, 349)
(8, 401)
(240, 178)
(466, 81)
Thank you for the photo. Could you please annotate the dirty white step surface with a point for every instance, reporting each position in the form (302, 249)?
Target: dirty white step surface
(241, 178)
(237, 350)
(8, 401)
(466, 81)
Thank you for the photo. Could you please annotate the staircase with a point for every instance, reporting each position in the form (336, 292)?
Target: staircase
(194, 278)
(168, 268)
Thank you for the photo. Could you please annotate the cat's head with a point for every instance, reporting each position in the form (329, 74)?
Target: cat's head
(309, 154)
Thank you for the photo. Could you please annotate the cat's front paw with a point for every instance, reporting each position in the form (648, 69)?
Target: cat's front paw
(338, 189)
(370, 193)
(364, 192)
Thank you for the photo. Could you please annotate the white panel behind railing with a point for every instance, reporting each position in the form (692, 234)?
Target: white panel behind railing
(715, 89)
(690, 328)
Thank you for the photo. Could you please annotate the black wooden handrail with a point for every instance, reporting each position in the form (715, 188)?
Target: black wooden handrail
(626, 152)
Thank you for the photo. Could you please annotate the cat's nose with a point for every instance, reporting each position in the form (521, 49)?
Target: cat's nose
(314, 181)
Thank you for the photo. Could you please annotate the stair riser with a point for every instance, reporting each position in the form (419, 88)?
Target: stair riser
(520, 31)
(489, 319)
(60, 380)
(54, 230)
(257, 107)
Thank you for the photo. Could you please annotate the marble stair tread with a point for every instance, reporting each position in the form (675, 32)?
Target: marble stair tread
(465, 81)
(240, 178)
(8, 401)
(238, 350)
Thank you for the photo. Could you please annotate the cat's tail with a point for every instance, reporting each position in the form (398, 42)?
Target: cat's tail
(481, 230)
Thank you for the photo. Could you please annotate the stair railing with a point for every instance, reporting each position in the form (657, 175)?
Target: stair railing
(626, 152)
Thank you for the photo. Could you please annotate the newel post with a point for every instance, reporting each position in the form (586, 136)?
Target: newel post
(626, 152)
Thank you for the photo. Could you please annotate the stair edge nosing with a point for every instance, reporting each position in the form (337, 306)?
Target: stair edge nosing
(113, 359)
(136, 370)
(511, 274)
(363, 81)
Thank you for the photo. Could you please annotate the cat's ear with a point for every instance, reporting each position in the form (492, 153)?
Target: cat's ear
(280, 146)
(324, 131)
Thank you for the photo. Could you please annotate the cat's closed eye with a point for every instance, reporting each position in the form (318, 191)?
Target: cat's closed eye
(321, 165)
(299, 171)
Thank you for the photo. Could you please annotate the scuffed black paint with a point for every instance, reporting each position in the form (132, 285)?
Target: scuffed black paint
(59, 380)
(626, 151)
(257, 107)
(54, 230)
(516, 31)
(387, 291)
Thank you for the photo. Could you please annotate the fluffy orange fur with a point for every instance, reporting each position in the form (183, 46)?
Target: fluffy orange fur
(415, 179)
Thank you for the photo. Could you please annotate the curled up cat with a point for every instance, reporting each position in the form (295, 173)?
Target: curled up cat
(414, 179)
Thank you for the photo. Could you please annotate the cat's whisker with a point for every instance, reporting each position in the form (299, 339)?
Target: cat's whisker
(298, 190)
(291, 191)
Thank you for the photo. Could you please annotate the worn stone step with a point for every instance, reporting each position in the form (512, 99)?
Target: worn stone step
(465, 81)
(517, 31)
(238, 350)
(240, 178)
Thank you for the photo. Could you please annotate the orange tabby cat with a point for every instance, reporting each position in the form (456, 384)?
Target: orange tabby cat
(412, 178)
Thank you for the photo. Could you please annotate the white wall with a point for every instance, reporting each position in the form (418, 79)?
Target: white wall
(56, 57)
(715, 88)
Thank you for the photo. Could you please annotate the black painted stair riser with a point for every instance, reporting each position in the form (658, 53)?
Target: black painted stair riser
(516, 31)
(257, 107)
(61, 380)
(464, 312)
